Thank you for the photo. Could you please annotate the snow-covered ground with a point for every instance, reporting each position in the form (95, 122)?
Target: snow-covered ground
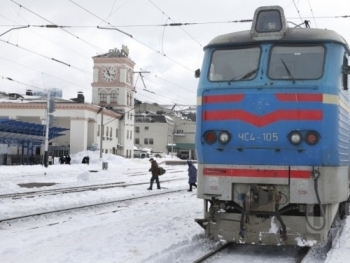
(154, 229)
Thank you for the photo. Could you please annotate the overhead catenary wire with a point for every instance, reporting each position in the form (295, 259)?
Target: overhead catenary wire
(339, 17)
(297, 10)
(312, 12)
(54, 25)
(53, 59)
(58, 61)
(44, 73)
(175, 23)
(140, 42)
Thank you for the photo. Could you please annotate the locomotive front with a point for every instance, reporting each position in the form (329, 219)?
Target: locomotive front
(273, 133)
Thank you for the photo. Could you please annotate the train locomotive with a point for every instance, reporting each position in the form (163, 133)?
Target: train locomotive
(272, 136)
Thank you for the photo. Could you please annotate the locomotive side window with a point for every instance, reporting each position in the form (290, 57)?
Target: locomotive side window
(234, 64)
(296, 62)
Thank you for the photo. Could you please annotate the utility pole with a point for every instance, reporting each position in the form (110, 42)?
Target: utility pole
(102, 126)
(47, 130)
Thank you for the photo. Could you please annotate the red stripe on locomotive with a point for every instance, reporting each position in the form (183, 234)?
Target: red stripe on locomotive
(223, 98)
(300, 97)
(257, 173)
(259, 121)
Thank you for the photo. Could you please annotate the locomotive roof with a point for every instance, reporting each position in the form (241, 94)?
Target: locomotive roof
(295, 35)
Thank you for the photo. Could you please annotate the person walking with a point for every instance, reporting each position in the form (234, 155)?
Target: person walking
(192, 175)
(155, 173)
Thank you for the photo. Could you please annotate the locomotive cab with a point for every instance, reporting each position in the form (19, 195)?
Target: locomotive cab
(273, 133)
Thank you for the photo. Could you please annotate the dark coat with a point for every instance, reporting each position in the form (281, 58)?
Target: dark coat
(154, 168)
(192, 173)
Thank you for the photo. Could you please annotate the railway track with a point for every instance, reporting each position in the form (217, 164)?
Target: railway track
(234, 248)
(77, 208)
(32, 194)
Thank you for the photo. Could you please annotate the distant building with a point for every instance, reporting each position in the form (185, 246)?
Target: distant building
(54, 92)
(114, 123)
(165, 133)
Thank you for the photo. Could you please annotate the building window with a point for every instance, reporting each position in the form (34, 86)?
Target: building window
(114, 96)
(130, 134)
(127, 134)
(106, 131)
(146, 128)
(137, 141)
(103, 96)
(151, 141)
(145, 141)
(110, 132)
(137, 129)
(98, 130)
(116, 133)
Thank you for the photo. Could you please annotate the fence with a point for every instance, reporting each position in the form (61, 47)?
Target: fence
(13, 159)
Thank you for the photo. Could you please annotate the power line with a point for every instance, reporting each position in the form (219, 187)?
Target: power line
(132, 37)
(53, 26)
(164, 87)
(297, 10)
(175, 23)
(44, 73)
(312, 12)
(53, 59)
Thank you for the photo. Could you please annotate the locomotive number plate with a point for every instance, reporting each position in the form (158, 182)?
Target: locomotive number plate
(266, 136)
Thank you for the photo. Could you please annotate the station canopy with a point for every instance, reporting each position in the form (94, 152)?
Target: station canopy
(20, 132)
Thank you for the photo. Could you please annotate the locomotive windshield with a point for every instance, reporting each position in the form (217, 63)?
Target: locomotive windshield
(296, 62)
(234, 64)
(285, 63)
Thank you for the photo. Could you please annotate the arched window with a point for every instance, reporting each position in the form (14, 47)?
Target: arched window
(103, 96)
(114, 96)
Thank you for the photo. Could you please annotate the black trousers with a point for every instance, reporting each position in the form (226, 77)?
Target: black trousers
(155, 177)
(194, 184)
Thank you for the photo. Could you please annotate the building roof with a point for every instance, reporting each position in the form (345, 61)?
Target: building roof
(26, 131)
(151, 118)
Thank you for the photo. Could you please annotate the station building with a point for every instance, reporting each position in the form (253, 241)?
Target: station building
(108, 124)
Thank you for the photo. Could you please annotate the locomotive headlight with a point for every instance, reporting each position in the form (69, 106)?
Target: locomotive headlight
(224, 137)
(311, 137)
(295, 137)
(209, 137)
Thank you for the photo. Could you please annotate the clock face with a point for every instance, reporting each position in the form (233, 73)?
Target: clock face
(109, 74)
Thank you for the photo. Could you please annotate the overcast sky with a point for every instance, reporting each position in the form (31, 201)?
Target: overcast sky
(171, 54)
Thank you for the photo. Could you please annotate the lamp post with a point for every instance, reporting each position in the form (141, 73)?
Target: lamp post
(47, 131)
(102, 130)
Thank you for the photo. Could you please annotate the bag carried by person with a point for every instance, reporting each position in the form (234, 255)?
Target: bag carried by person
(161, 171)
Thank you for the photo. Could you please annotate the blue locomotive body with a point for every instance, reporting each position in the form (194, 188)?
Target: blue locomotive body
(273, 132)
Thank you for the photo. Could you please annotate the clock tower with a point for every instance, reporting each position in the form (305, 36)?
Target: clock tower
(113, 89)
